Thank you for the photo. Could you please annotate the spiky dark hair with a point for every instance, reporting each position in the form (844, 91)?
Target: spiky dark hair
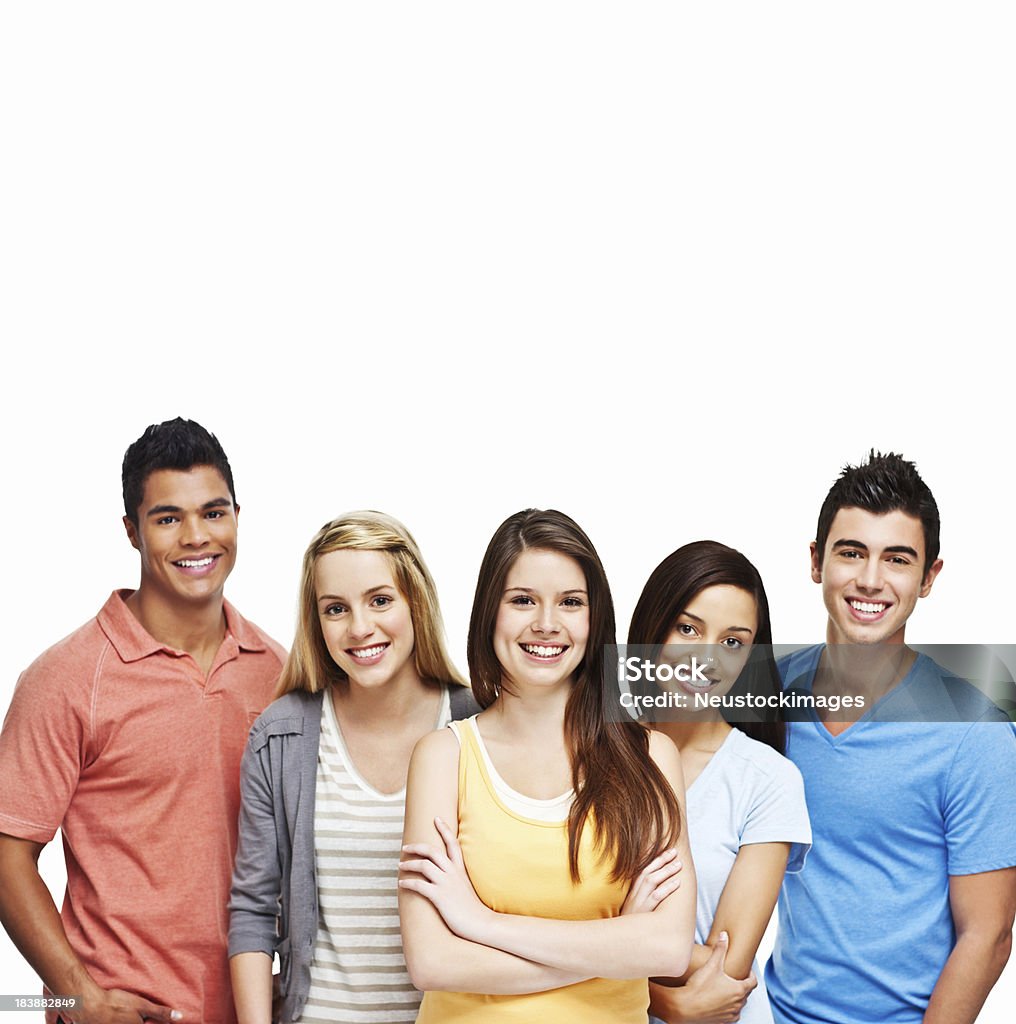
(881, 484)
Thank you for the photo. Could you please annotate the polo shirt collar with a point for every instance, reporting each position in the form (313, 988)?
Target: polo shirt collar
(248, 637)
(133, 642)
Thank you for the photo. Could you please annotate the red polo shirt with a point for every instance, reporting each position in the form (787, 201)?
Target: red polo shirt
(123, 744)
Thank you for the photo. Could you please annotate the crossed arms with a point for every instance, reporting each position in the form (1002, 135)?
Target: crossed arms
(479, 950)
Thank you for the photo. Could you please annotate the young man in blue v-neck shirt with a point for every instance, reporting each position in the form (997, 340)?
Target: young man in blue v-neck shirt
(904, 910)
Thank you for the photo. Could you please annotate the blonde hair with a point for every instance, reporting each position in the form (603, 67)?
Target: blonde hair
(309, 666)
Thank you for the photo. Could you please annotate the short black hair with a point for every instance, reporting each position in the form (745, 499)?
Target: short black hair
(883, 483)
(176, 444)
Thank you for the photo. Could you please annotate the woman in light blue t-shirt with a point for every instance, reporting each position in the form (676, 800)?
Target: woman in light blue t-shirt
(747, 819)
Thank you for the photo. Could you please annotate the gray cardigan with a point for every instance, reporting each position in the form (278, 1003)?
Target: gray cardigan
(273, 901)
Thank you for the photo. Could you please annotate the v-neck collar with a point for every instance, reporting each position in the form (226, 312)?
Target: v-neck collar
(806, 682)
(718, 754)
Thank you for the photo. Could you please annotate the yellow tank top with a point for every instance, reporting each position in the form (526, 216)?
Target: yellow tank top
(520, 866)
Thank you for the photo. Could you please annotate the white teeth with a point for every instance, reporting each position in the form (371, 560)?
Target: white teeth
(194, 563)
(867, 606)
(542, 652)
(368, 652)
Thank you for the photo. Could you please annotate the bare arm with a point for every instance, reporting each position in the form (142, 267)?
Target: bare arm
(983, 907)
(744, 910)
(251, 974)
(747, 902)
(629, 946)
(617, 947)
(437, 958)
(711, 996)
(33, 923)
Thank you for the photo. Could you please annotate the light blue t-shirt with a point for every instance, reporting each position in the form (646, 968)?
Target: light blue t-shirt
(896, 807)
(746, 794)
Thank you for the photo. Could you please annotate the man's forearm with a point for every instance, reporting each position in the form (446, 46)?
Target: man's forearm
(31, 919)
(973, 967)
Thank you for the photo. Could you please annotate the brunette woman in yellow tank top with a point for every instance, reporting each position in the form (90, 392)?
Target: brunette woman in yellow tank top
(539, 830)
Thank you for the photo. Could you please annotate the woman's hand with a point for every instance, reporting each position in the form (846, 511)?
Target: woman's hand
(659, 878)
(710, 995)
(440, 876)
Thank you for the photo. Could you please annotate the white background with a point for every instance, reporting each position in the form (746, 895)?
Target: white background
(664, 268)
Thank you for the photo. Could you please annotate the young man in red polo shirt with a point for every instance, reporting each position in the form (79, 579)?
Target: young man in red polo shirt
(127, 735)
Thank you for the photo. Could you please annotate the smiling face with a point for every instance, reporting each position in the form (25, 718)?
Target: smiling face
(725, 618)
(872, 573)
(542, 623)
(185, 534)
(365, 619)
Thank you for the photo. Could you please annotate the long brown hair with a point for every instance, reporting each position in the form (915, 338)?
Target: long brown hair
(633, 809)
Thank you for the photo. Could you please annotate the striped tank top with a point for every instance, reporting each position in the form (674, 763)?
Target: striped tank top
(358, 972)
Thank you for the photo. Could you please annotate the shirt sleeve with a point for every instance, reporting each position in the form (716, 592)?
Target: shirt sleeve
(257, 873)
(778, 813)
(43, 747)
(980, 799)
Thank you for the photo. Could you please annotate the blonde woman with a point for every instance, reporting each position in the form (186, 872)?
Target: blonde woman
(323, 783)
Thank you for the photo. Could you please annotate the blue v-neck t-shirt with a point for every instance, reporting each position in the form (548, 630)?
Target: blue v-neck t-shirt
(897, 806)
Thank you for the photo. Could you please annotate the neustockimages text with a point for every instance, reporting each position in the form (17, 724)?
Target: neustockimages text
(787, 700)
